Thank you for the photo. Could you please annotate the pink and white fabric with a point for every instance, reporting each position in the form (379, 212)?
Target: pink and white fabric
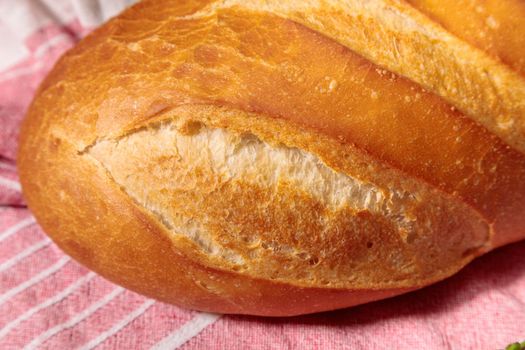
(48, 301)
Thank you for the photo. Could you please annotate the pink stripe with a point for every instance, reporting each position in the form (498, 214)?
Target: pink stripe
(117, 327)
(8, 295)
(42, 60)
(57, 314)
(75, 320)
(61, 295)
(39, 293)
(27, 268)
(73, 31)
(12, 216)
(15, 97)
(34, 41)
(35, 44)
(14, 100)
(24, 254)
(97, 323)
(11, 197)
(17, 227)
(10, 190)
(187, 331)
(148, 329)
(7, 166)
(8, 171)
(20, 240)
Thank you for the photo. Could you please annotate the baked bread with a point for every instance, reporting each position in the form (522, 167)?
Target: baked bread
(276, 157)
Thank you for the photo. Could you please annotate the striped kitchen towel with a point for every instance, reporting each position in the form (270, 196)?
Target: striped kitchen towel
(48, 301)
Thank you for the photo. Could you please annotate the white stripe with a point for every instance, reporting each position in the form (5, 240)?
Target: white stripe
(37, 65)
(10, 184)
(186, 332)
(4, 165)
(34, 280)
(88, 11)
(24, 254)
(117, 327)
(48, 302)
(47, 45)
(25, 17)
(92, 13)
(74, 320)
(22, 17)
(17, 73)
(15, 228)
(13, 49)
(112, 8)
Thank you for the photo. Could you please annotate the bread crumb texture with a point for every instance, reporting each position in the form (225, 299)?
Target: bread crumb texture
(279, 212)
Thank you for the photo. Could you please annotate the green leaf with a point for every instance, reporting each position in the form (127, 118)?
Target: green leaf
(513, 346)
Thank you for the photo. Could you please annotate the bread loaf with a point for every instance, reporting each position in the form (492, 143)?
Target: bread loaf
(276, 157)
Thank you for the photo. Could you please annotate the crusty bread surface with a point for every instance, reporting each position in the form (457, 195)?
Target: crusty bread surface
(283, 157)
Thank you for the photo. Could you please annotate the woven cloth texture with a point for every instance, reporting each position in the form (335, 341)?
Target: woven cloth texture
(48, 301)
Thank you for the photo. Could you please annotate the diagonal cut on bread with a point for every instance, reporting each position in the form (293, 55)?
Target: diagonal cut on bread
(283, 157)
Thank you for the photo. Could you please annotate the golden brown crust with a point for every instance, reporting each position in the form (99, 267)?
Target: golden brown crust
(98, 225)
(252, 68)
(395, 36)
(370, 231)
(493, 26)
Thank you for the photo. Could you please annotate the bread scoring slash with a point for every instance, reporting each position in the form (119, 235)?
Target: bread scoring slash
(282, 157)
